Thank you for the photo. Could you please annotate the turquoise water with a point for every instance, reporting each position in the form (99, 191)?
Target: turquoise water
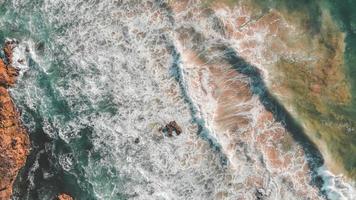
(90, 92)
(28, 22)
(45, 109)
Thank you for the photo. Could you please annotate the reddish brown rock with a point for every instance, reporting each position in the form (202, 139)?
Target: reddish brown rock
(172, 127)
(9, 46)
(14, 140)
(65, 197)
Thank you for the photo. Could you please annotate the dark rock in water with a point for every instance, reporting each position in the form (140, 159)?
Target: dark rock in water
(260, 194)
(176, 127)
(137, 140)
(170, 128)
(21, 61)
(40, 46)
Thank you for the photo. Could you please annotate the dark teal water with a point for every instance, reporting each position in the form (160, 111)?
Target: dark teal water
(344, 12)
(43, 176)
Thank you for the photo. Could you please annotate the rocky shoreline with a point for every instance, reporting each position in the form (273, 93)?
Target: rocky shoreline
(14, 139)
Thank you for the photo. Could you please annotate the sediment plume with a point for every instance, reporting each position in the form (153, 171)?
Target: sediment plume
(14, 140)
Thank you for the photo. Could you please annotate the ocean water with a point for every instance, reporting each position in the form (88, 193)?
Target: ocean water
(98, 78)
(98, 75)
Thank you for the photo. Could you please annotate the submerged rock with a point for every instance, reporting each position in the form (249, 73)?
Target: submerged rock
(137, 140)
(14, 140)
(260, 194)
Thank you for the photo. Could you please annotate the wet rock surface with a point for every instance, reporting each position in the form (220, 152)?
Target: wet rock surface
(64, 197)
(170, 128)
(14, 140)
(137, 140)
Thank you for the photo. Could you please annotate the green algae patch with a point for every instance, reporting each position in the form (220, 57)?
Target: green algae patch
(317, 91)
(329, 130)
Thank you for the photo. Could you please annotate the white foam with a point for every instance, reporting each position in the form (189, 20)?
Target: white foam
(336, 187)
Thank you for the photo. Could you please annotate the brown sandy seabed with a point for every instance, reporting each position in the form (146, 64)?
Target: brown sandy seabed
(280, 45)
